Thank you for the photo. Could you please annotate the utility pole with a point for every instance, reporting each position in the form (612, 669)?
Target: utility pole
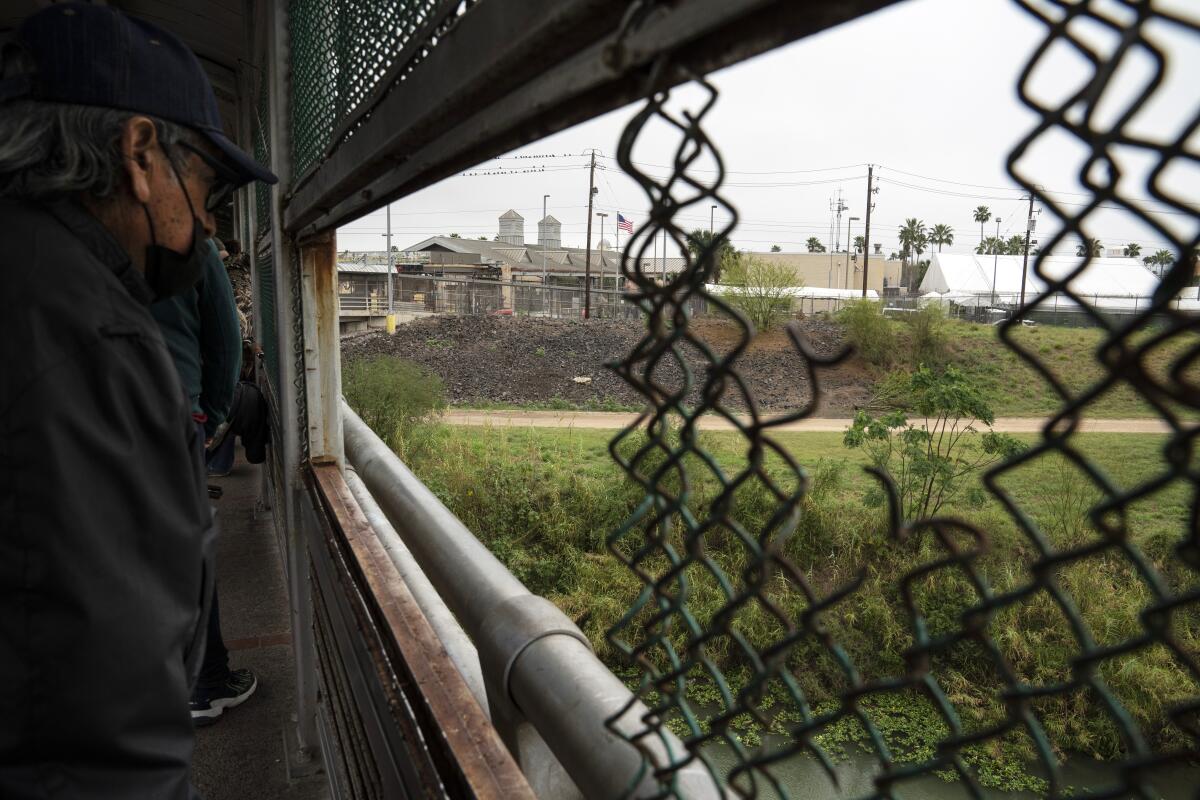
(587, 264)
(545, 229)
(711, 211)
(846, 285)
(664, 261)
(654, 258)
(836, 233)
(995, 258)
(1029, 225)
(867, 232)
(602, 216)
(390, 320)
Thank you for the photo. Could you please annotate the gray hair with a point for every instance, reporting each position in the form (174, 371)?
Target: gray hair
(49, 150)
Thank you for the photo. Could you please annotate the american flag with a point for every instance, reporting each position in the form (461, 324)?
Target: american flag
(624, 224)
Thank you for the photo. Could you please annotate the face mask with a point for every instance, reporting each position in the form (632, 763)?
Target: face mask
(170, 273)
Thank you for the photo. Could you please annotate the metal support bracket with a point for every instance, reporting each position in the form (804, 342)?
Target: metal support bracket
(509, 629)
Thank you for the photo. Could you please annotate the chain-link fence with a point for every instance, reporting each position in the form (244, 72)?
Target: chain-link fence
(268, 337)
(1053, 309)
(758, 655)
(425, 295)
(262, 154)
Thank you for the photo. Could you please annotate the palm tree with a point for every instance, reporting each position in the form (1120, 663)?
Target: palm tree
(1133, 250)
(920, 243)
(991, 245)
(909, 232)
(1089, 245)
(699, 239)
(941, 234)
(814, 245)
(1163, 259)
(1014, 246)
(859, 244)
(982, 215)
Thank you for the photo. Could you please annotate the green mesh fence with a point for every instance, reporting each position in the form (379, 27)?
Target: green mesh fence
(341, 50)
(763, 657)
(268, 336)
(262, 154)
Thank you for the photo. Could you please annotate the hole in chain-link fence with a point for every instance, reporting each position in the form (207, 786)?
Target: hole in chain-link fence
(743, 647)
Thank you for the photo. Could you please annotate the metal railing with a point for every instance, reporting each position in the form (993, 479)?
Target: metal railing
(536, 664)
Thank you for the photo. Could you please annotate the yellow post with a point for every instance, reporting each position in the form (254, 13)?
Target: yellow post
(391, 323)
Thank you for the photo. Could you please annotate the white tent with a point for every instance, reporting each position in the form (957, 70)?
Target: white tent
(1115, 283)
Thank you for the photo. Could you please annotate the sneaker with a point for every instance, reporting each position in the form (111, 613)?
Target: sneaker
(209, 704)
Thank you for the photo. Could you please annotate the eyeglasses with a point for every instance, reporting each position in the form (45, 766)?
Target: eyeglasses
(225, 180)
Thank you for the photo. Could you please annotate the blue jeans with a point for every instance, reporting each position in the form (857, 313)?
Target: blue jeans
(220, 461)
(214, 669)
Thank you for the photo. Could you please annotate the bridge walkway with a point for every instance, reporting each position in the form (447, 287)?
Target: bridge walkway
(242, 755)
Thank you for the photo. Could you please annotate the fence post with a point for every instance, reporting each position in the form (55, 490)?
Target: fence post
(322, 357)
(306, 757)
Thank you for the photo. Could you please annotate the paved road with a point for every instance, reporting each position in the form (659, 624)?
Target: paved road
(605, 420)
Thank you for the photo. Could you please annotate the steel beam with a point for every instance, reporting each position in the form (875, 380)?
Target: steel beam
(289, 441)
(322, 347)
(461, 105)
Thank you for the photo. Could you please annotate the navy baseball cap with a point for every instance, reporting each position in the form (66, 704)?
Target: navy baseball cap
(93, 55)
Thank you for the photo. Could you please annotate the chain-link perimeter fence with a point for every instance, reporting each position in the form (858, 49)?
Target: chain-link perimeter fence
(736, 639)
(1053, 309)
(419, 295)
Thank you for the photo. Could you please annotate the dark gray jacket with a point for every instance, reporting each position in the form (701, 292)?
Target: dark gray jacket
(105, 530)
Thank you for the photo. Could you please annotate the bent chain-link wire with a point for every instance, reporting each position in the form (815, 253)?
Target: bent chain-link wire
(665, 542)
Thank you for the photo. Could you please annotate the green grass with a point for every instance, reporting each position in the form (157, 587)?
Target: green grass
(1015, 389)
(544, 500)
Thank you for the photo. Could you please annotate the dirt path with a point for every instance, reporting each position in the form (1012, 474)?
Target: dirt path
(604, 420)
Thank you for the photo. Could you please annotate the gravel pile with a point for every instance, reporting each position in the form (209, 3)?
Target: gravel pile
(530, 360)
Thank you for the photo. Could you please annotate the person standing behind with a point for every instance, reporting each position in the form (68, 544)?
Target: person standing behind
(111, 161)
(201, 330)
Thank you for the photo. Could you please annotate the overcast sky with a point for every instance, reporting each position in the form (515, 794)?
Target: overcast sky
(925, 90)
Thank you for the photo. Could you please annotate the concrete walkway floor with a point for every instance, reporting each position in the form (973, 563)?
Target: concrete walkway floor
(606, 420)
(242, 755)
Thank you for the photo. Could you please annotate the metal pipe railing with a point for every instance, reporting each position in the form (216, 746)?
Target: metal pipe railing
(458, 645)
(532, 655)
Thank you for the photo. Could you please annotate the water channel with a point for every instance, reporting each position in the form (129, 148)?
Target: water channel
(805, 779)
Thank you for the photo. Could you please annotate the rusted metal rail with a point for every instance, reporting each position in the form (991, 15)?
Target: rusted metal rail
(429, 736)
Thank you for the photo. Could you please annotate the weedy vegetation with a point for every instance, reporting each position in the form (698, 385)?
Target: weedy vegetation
(546, 501)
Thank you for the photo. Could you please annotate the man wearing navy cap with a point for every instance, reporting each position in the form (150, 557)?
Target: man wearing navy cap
(112, 160)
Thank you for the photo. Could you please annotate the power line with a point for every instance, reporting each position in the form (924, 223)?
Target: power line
(950, 193)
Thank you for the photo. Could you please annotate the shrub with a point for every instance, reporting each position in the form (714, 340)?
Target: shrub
(760, 289)
(929, 463)
(396, 398)
(869, 332)
(928, 342)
